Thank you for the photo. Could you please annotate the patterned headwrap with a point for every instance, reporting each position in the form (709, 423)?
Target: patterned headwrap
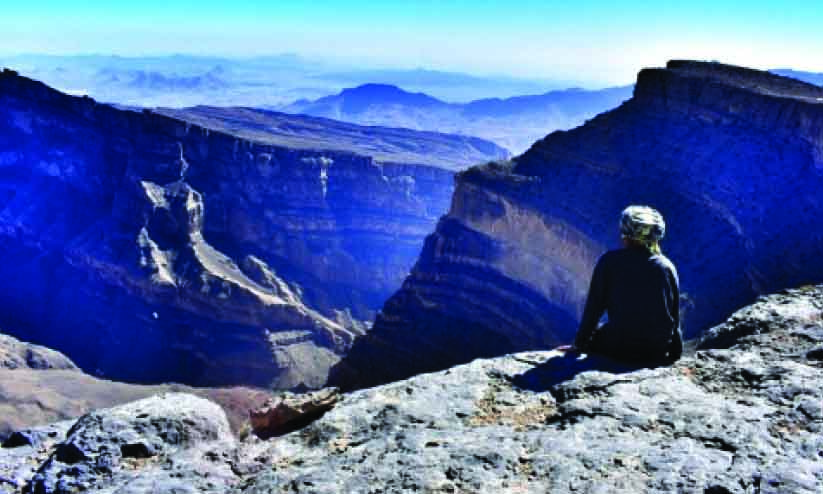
(643, 225)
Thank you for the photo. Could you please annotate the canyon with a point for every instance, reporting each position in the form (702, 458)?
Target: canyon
(149, 248)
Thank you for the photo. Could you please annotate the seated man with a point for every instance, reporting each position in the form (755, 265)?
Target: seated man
(638, 288)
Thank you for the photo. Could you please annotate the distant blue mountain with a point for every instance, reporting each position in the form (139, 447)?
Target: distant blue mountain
(810, 77)
(454, 86)
(514, 122)
(414, 77)
(573, 99)
(184, 80)
(359, 99)
(156, 81)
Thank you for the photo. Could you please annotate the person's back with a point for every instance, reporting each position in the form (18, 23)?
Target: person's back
(638, 287)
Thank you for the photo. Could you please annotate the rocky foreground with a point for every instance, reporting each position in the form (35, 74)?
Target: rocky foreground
(744, 414)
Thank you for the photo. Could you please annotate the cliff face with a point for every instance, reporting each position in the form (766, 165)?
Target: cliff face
(732, 157)
(152, 249)
(384, 144)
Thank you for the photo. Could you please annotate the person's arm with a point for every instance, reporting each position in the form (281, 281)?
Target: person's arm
(595, 306)
(676, 344)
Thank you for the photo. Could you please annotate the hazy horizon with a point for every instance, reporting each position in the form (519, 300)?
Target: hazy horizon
(326, 63)
(593, 42)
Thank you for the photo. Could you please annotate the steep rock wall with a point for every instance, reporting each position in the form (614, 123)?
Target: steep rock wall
(730, 156)
(152, 249)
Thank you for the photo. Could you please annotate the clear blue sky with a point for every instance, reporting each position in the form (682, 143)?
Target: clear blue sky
(605, 40)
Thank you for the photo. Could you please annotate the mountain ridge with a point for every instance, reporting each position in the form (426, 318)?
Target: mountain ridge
(244, 81)
(513, 122)
(384, 144)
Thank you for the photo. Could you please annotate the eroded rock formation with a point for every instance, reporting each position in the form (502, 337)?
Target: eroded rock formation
(288, 412)
(732, 157)
(151, 249)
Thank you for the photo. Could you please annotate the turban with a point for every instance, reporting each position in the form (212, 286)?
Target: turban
(642, 224)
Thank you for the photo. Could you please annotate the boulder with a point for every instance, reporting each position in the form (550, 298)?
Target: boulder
(25, 450)
(167, 443)
(55, 390)
(291, 411)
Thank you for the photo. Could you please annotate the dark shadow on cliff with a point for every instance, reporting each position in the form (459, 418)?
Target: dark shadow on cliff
(565, 367)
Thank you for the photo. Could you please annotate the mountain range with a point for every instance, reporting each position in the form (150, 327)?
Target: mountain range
(186, 80)
(514, 123)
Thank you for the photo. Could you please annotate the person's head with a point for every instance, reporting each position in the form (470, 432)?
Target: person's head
(642, 226)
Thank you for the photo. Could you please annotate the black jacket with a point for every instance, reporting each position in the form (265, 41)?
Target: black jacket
(640, 292)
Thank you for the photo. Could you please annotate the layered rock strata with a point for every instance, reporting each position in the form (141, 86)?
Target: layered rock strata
(151, 249)
(732, 157)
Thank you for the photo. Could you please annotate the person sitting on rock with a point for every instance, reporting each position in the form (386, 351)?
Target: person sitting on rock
(638, 288)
